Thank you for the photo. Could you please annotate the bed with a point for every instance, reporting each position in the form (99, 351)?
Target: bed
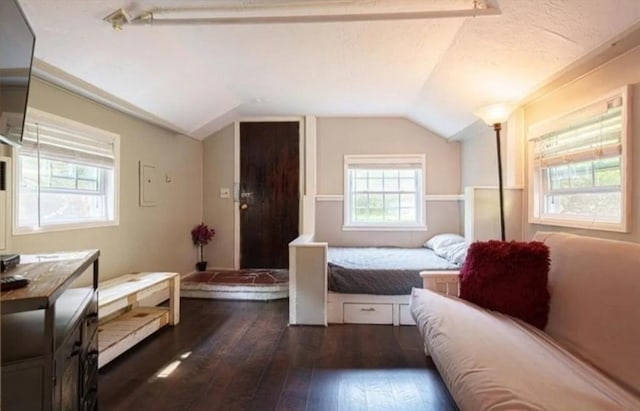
(372, 285)
(313, 299)
(381, 270)
(363, 285)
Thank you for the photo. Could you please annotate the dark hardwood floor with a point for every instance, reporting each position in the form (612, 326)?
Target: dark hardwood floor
(236, 355)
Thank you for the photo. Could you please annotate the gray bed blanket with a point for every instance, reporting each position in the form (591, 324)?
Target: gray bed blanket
(380, 270)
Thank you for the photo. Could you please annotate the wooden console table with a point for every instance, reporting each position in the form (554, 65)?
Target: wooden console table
(49, 338)
(123, 322)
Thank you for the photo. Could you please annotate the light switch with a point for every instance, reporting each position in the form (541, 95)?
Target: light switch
(225, 192)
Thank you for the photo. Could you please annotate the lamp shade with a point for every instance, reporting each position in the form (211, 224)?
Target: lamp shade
(495, 113)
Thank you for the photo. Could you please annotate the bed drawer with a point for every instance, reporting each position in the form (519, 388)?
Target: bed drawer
(405, 315)
(368, 313)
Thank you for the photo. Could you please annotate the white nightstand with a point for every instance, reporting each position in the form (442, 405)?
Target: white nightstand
(444, 282)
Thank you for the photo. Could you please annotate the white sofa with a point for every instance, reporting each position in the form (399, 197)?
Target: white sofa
(588, 358)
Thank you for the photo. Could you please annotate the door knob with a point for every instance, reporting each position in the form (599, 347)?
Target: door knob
(243, 206)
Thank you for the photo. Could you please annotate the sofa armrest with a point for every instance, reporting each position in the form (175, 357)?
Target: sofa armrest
(444, 282)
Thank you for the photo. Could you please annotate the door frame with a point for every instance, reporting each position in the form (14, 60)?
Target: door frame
(306, 139)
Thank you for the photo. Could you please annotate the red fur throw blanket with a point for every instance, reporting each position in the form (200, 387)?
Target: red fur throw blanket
(508, 277)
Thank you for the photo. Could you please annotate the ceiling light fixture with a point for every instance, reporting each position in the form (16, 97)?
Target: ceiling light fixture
(117, 19)
(295, 12)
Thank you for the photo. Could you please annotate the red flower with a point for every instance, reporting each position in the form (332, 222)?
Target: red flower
(202, 235)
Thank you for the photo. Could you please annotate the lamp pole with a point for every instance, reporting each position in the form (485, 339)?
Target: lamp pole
(495, 115)
(497, 127)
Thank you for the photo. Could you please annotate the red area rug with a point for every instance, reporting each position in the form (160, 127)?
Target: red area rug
(240, 277)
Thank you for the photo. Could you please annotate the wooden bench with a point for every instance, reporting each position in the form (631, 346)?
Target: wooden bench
(123, 321)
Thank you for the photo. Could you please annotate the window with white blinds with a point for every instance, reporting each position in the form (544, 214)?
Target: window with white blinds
(384, 192)
(67, 175)
(579, 167)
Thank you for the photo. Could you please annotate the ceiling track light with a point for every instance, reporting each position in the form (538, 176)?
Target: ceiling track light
(233, 14)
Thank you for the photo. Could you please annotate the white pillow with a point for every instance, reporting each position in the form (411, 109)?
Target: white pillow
(440, 242)
(455, 253)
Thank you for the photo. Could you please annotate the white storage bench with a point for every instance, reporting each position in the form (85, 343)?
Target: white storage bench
(123, 321)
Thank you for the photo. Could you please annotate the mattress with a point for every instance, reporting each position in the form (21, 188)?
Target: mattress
(380, 270)
(491, 361)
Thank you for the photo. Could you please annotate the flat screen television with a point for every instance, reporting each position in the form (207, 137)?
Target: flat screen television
(17, 41)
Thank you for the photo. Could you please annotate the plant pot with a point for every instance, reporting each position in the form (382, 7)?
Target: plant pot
(201, 266)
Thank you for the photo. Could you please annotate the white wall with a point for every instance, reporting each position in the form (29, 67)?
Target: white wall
(337, 137)
(479, 170)
(480, 158)
(148, 238)
(219, 212)
(612, 75)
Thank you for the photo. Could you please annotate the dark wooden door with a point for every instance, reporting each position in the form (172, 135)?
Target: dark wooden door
(269, 192)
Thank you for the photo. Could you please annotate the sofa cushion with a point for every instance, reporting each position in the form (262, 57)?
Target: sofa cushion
(509, 277)
(491, 361)
(595, 302)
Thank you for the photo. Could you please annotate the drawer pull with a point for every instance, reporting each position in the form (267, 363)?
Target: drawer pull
(368, 310)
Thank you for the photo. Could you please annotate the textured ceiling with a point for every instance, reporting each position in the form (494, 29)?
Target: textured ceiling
(436, 72)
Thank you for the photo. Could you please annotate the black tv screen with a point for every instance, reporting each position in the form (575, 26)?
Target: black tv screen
(16, 54)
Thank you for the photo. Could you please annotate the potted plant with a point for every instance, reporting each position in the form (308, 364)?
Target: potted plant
(201, 236)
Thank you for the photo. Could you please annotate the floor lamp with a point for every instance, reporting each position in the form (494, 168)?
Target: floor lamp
(494, 116)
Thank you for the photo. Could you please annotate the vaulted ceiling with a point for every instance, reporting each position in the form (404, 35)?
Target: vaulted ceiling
(195, 79)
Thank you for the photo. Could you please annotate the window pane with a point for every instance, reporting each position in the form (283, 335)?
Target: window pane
(65, 208)
(361, 214)
(390, 174)
(375, 184)
(586, 174)
(378, 195)
(63, 197)
(359, 173)
(29, 173)
(391, 184)
(28, 208)
(376, 215)
(62, 169)
(391, 206)
(62, 183)
(407, 200)
(360, 184)
(581, 175)
(361, 200)
(67, 175)
(391, 215)
(607, 172)
(407, 184)
(391, 201)
(407, 214)
(87, 185)
(577, 171)
(602, 206)
(376, 201)
(86, 172)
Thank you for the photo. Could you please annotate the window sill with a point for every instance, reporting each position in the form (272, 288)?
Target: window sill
(383, 228)
(65, 227)
(585, 225)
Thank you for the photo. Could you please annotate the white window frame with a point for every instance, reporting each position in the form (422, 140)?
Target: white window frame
(35, 115)
(382, 159)
(556, 123)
